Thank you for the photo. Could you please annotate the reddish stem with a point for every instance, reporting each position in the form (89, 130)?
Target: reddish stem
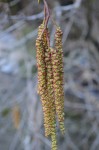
(46, 19)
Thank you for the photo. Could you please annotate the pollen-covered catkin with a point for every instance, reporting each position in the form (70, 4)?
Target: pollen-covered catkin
(50, 80)
(42, 78)
(60, 74)
(57, 63)
(40, 55)
(50, 90)
(54, 142)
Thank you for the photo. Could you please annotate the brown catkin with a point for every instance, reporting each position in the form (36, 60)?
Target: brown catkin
(57, 63)
(50, 90)
(40, 55)
(45, 80)
(50, 80)
(42, 78)
(16, 116)
(54, 141)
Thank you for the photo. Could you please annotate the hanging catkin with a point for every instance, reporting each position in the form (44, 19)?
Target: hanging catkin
(45, 81)
(42, 84)
(40, 55)
(50, 77)
(52, 121)
(50, 80)
(57, 63)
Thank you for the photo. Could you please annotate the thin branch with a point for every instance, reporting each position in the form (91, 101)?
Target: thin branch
(28, 18)
(74, 6)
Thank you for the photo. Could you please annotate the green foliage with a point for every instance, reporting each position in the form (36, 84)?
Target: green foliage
(5, 112)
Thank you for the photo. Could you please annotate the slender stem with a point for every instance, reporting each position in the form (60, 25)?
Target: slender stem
(47, 14)
(46, 18)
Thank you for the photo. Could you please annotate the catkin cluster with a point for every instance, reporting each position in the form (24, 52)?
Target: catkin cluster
(50, 80)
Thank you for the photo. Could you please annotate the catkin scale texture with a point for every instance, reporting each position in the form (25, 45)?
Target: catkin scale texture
(58, 88)
(42, 84)
(50, 90)
(57, 63)
(40, 55)
(50, 81)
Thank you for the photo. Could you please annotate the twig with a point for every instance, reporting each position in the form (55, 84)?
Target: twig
(29, 18)
(80, 106)
(74, 6)
(44, 140)
(68, 28)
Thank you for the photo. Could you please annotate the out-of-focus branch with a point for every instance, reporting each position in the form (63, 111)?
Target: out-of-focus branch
(74, 6)
(28, 18)
(12, 28)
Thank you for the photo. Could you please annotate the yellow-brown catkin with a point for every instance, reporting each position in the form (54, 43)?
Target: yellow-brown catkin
(50, 90)
(16, 116)
(45, 83)
(54, 142)
(40, 55)
(41, 44)
(57, 63)
(50, 81)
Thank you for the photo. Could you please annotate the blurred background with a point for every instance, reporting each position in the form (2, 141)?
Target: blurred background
(21, 118)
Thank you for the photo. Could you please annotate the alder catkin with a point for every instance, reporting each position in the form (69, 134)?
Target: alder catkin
(42, 84)
(57, 63)
(50, 90)
(45, 80)
(40, 55)
(54, 142)
(50, 80)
